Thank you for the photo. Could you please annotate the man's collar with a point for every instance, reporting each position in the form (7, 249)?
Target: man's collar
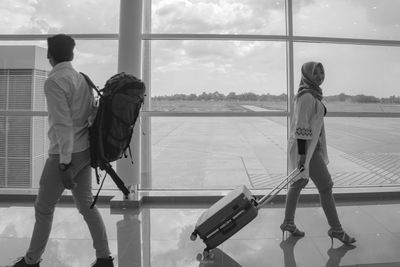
(61, 65)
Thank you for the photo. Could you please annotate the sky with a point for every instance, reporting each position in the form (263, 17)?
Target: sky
(188, 66)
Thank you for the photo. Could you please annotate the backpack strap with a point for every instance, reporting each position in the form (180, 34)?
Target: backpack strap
(98, 192)
(120, 184)
(90, 83)
(97, 175)
(130, 153)
(109, 170)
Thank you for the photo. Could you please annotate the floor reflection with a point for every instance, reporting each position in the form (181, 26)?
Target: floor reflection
(217, 258)
(287, 246)
(129, 240)
(336, 254)
(160, 237)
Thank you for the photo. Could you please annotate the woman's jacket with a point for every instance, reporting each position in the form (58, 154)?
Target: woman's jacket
(308, 124)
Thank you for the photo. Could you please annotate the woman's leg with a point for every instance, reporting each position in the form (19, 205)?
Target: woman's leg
(292, 198)
(321, 177)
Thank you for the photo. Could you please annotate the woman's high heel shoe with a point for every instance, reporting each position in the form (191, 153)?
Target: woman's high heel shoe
(291, 228)
(342, 236)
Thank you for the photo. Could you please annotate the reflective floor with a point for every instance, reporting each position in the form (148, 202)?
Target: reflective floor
(158, 236)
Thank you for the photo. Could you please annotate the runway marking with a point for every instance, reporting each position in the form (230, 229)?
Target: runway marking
(340, 179)
(385, 165)
(382, 169)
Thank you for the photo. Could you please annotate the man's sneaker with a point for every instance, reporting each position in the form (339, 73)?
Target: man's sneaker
(22, 263)
(104, 262)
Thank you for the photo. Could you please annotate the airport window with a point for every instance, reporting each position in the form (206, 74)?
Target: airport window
(351, 71)
(372, 19)
(214, 152)
(225, 73)
(217, 17)
(51, 17)
(179, 46)
(363, 152)
(221, 77)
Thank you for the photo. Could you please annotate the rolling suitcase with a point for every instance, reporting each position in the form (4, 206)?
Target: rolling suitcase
(232, 212)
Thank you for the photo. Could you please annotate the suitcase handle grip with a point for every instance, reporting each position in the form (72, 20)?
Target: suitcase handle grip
(228, 227)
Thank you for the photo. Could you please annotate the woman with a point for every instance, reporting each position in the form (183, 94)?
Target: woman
(307, 147)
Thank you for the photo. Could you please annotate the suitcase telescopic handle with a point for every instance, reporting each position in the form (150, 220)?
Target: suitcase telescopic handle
(267, 198)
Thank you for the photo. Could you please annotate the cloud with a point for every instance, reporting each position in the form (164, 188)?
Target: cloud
(97, 58)
(382, 13)
(55, 16)
(223, 16)
(321, 19)
(358, 19)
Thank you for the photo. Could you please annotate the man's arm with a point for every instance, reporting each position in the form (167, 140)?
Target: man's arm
(60, 114)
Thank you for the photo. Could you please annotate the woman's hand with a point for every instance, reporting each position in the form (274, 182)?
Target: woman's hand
(301, 161)
(303, 175)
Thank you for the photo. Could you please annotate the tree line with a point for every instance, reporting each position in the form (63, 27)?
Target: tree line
(216, 96)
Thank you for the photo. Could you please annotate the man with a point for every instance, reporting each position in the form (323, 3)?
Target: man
(70, 106)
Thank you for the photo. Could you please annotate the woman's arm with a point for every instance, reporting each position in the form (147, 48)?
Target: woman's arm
(301, 146)
(304, 113)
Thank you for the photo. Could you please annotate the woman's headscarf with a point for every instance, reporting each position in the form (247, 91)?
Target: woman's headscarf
(307, 83)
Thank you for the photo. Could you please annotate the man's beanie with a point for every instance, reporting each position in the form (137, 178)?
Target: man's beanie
(61, 47)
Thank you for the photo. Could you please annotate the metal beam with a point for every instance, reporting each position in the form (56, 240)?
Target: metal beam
(282, 38)
(41, 37)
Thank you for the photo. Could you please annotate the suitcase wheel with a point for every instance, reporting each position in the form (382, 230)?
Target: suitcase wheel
(207, 254)
(193, 236)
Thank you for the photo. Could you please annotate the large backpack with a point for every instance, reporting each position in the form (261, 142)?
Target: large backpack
(110, 134)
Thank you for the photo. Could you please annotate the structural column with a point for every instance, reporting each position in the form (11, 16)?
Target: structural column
(289, 64)
(146, 174)
(129, 61)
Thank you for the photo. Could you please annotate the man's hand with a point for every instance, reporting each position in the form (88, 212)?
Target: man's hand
(66, 176)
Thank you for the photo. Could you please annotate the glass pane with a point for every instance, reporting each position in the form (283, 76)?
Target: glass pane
(19, 136)
(3, 88)
(226, 72)
(216, 153)
(364, 151)
(49, 17)
(23, 152)
(16, 148)
(219, 17)
(370, 19)
(2, 171)
(3, 135)
(23, 140)
(96, 58)
(357, 78)
(20, 89)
